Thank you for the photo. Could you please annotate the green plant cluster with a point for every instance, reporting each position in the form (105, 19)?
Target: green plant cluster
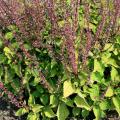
(95, 89)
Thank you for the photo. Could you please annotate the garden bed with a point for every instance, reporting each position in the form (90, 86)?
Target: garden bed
(7, 112)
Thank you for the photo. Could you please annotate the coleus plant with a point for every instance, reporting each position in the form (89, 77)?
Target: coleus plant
(60, 57)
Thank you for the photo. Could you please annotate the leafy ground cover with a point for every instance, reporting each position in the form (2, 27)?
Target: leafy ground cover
(7, 112)
(60, 59)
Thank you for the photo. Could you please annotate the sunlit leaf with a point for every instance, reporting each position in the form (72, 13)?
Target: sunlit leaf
(94, 92)
(96, 76)
(114, 74)
(8, 52)
(68, 88)
(104, 105)
(37, 108)
(81, 102)
(109, 92)
(31, 100)
(21, 111)
(98, 66)
(33, 116)
(49, 112)
(109, 47)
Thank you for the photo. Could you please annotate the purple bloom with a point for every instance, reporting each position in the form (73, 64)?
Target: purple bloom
(1, 85)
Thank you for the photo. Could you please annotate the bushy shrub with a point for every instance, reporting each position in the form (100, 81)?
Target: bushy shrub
(60, 59)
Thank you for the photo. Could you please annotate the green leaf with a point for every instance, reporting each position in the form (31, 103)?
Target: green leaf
(53, 72)
(17, 68)
(2, 58)
(68, 2)
(58, 41)
(109, 92)
(40, 89)
(68, 101)
(53, 101)
(103, 114)
(9, 35)
(27, 46)
(31, 100)
(68, 88)
(114, 74)
(35, 72)
(76, 111)
(62, 112)
(1, 71)
(116, 102)
(98, 66)
(17, 85)
(110, 61)
(96, 76)
(1, 43)
(105, 56)
(49, 112)
(32, 116)
(104, 105)
(53, 63)
(15, 45)
(109, 47)
(44, 99)
(61, 23)
(36, 94)
(36, 81)
(116, 52)
(26, 78)
(8, 75)
(12, 28)
(118, 39)
(8, 52)
(85, 113)
(97, 112)
(117, 91)
(94, 92)
(21, 111)
(81, 102)
(37, 108)
(83, 77)
(80, 93)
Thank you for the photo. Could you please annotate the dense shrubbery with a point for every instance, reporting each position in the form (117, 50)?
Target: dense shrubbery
(60, 59)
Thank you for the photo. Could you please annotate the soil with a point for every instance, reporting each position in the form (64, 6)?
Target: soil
(7, 111)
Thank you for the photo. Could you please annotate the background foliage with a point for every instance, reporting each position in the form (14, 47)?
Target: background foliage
(60, 59)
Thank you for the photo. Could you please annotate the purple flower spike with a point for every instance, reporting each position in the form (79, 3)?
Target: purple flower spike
(1, 85)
